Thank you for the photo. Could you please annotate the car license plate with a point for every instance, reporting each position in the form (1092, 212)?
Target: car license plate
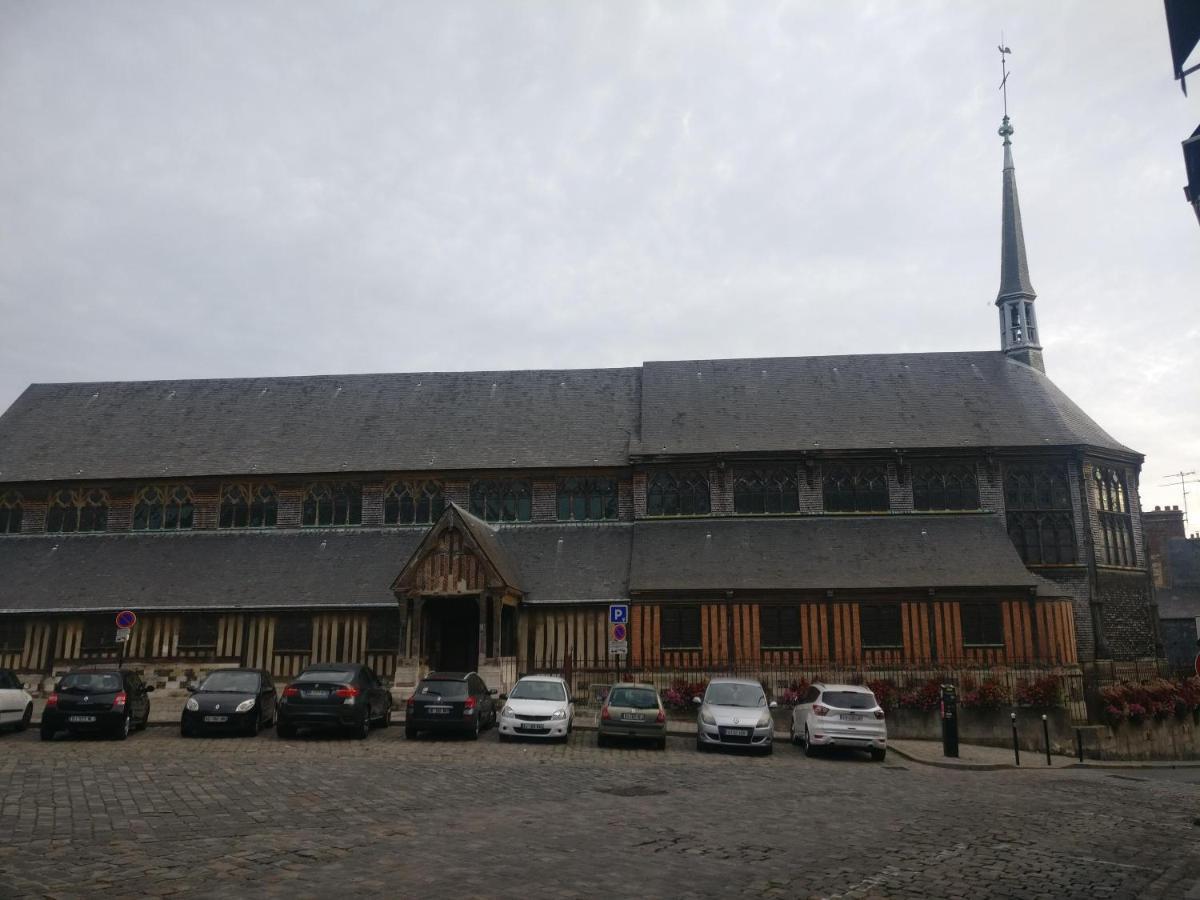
(849, 717)
(81, 719)
(438, 710)
(216, 718)
(314, 695)
(737, 732)
(530, 727)
(631, 717)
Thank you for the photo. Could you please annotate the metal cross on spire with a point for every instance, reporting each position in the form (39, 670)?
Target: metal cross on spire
(1006, 129)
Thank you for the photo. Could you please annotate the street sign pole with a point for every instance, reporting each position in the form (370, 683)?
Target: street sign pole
(126, 619)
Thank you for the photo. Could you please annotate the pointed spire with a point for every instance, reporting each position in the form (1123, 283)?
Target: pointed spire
(1014, 268)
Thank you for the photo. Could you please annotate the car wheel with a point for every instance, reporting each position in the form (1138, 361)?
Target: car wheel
(809, 750)
(252, 728)
(795, 737)
(601, 740)
(769, 749)
(184, 731)
(124, 728)
(284, 730)
(878, 755)
(387, 716)
(701, 747)
(410, 733)
(25, 719)
(475, 730)
(363, 731)
(145, 719)
(47, 733)
(662, 743)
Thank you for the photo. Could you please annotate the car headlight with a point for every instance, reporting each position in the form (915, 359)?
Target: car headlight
(707, 718)
(507, 711)
(559, 714)
(764, 720)
(245, 705)
(192, 705)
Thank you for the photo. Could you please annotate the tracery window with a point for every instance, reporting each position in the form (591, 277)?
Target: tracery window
(586, 498)
(1040, 520)
(248, 506)
(413, 502)
(765, 491)
(502, 499)
(855, 489)
(1116, 520)
(163, 507)
(332, 504)
(951, 486)
(10, 513)
(85, 509)
(678, 494)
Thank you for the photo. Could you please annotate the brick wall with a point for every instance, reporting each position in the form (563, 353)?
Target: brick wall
(1077, 585)
(720, 488)
(288, 515)
(900, 491)
(372, 503)
(1129, 617)
(545, 500)
(991, 488)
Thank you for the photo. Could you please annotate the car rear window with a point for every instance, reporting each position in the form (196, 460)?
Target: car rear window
(636, 698)
(849, 699)
(90, 682)
(449, 690)
(242, 682)
(340, 676)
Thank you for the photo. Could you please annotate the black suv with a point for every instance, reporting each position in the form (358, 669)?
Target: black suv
(450, 701)
(334, 695)
(97, 700)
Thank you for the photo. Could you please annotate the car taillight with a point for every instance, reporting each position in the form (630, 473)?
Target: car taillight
(52, 700)
(348, 690)
(662, 716)
(879, 713)
(411, 703)
(119, 700)
(469, 706)
(604, 712)
(819, 710)
(291, 691)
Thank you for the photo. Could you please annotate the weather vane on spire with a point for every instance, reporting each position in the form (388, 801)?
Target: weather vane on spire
(1006, 129)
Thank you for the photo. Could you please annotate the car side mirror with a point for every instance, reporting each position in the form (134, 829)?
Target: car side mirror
(493, 692)
(192, 687)
(773, 705)
(697, 700)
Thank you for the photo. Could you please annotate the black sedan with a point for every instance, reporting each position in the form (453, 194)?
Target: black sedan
(450, 701)
(110, 702)
(239, 701)
(345, 696)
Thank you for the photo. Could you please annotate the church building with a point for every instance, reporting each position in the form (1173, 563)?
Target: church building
(831, 513)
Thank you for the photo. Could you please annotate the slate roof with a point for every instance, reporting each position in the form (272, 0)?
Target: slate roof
(571, 563)
(826, 553)
(326, 423)
(878, 401)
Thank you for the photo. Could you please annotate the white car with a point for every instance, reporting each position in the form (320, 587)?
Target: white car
(839, 715)
(16, 706)
(735, 713)
(537, 706)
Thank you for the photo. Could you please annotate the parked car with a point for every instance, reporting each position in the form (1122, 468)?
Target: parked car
(345, 696)
(230, 700)
(450, 701)
(16, 706)
(735, 713)
(839, 715)
(96, 700)
(538, 706)
(632, 711)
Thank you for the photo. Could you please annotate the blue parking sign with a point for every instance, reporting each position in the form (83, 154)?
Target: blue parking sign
(618, 613)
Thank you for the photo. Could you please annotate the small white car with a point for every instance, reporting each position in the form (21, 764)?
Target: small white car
(839, 715)
(16, 706)
(538, 706)
(735, 713)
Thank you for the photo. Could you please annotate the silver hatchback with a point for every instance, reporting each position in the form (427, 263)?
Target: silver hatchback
(735, 713)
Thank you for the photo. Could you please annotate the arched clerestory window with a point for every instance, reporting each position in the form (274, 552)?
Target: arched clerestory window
(678, 493)
(163, 507)
(765, 491)
(83, 509)
(248, 505)
(332, 504)
(944, 486)
(414, 502)
(855, 488)
(10, 513)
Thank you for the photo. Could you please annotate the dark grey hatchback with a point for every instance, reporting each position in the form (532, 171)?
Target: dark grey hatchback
(345, 696)
(111, 702)
(237, 701)
(450, 701)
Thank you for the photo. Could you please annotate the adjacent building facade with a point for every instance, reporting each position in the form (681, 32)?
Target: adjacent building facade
(842, 512)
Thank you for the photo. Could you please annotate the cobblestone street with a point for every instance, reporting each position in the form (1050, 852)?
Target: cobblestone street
(323, 817)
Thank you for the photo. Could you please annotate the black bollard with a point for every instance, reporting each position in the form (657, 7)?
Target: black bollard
(1016, 745)
(949, 713)
(1079, 742)
(1046, 734)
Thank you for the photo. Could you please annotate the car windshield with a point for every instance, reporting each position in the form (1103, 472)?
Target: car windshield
(90, 682)
(735, 695)
(848, 699)
(341, 676)
(636, 698)
(237, 682)
(448, 690)
(538, 690)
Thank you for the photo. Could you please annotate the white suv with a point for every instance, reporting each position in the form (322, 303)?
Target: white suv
(16, 706)
(537, 706)
(839, 715)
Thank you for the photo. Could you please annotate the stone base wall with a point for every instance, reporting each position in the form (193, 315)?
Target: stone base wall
(989, 728)
(1166, 739)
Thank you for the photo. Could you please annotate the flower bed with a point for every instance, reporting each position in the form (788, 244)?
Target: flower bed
(679, 695)
(1155, 698)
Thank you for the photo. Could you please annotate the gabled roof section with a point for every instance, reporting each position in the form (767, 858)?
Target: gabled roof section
(325, 424)
(481, 539)
(878, 401)
(827, 553)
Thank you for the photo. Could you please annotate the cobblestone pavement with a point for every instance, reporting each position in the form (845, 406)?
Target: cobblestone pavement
(320, 817)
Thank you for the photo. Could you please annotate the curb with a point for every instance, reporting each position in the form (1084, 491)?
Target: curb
(964, 767)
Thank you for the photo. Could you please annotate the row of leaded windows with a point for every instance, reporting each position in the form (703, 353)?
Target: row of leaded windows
(680, 493)
(587, 498)
(10, 513)
(163, 508)
(855, 489)
(880, 626)
(331, 504)
(952, 487)
(1116, 520)
(77, 510)
(1037, 498)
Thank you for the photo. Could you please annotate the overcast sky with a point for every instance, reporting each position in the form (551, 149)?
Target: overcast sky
(237, 189)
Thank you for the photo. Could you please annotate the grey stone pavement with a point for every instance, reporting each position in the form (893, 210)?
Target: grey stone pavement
(158, 815)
